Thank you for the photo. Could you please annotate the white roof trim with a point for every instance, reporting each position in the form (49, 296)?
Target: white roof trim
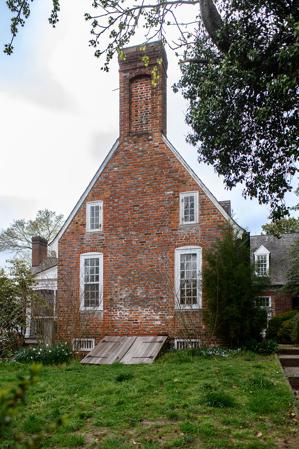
(104, 164)
(202, 185)
(85, 193)
(261, 250)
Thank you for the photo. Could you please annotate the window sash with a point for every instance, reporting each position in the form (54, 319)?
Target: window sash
(262, 264)
(188, 278)
(265, 302)
(189, 207)
(91, 281)
(94, 216)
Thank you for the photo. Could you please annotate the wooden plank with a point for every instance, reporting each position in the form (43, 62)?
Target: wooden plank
(144, 350)
(109, 350)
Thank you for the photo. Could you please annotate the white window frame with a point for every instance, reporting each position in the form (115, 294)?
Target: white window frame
(178, 252)
(267, 308)
(184, 195)
(262, 251)
(83, 257)
(89, 205)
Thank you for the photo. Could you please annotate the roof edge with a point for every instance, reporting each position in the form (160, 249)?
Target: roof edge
(202, 185)
(84, 194)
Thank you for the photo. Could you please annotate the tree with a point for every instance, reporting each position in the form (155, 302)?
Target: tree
(240, 77)
(244, 102)
(293, 270)
(282, 226)
(230, 289)
(17, 237)
(288, 225)
(17, 296)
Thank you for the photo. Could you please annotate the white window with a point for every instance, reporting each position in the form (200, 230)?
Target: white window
(188, 278)
(91, 281)
(94, 216)
(189, 207)
(261, 259)
(83, 344)
(265, 302)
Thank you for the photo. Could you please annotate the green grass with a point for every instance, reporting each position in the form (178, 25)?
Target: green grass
(181, 401)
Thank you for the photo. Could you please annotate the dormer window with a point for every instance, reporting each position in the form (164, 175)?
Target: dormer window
(94, 216)
(261, 259)
(188, 208)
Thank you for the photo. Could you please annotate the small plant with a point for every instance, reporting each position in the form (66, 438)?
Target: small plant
(260, 382)
(48, 355)
(215, 352)
(219, 399)
(123, 377)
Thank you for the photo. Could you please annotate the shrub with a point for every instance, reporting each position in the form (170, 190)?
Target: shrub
(285, 331)
(276, 322)
(295, 329)
(230, 287)
(59, 353)
(264, 347)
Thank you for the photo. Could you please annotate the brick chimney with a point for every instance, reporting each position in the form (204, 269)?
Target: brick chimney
(39, 250)
(226, 206)
(142, 104)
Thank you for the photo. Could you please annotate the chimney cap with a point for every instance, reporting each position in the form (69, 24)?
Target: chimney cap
(154, 50)
(39, 239)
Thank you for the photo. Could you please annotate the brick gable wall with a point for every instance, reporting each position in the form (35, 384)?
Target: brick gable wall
(140, 190)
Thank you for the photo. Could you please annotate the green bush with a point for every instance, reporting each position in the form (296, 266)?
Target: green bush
(264, 347)
(285, 331)
(295, 329)
(230, 287)
(276, 322)
(59, 353)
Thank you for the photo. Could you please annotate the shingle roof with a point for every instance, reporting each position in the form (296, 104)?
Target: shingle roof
(50, 262)
(279, 253)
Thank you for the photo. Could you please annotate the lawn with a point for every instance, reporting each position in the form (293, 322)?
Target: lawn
(181, 401)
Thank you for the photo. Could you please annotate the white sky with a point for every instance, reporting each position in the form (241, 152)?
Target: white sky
(59, 118)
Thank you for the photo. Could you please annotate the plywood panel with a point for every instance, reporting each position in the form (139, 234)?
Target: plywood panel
(144, 350)
(109, 350)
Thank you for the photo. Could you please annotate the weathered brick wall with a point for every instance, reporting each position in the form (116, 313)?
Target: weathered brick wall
(281, 301)
(140, 190)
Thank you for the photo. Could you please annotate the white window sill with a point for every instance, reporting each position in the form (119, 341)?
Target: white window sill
(94, 230)
(185, 307)
(188, 223)
(91, 309)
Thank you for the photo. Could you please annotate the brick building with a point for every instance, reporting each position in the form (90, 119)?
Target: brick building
(132, 251)
(271, 257)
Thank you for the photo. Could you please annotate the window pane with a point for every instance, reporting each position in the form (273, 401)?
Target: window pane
(261, 264)
(188, 279)
(94, 216)
(188, 209)
(91, 295)
(91, 282)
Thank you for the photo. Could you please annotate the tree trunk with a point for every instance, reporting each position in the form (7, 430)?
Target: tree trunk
(213, 23)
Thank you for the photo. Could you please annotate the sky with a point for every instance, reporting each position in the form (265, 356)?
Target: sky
(59, 119)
